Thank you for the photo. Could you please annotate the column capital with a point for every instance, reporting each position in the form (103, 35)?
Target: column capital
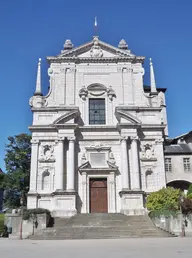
(134, 138)
(34, 141)
(71, 138)
(59, 139)
(123, 138)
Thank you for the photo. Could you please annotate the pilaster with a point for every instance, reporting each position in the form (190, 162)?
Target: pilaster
(135, 175)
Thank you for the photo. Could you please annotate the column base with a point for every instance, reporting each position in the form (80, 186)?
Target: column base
(132, 202)
(64, 204)
(32, 200)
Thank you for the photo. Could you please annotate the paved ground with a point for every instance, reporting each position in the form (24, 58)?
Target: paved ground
(133, 248)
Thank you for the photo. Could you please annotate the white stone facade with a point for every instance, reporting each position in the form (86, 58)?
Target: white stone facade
(68, 151)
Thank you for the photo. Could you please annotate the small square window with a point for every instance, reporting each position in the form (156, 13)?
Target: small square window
(186, 164)
(168, 165)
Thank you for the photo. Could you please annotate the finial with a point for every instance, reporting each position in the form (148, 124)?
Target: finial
(38, 82)
(152, 78)
(68, 44)
(95, 26)
(123, 44)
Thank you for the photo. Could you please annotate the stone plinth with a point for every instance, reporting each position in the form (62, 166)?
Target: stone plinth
(64, 204)
(132, 202)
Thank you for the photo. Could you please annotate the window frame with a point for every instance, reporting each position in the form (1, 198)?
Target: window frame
(168, 165)
(101, 121)
(186, 164)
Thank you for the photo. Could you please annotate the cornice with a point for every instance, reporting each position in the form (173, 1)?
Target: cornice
(138, 109)
(52, 127)
(132, 59)
(51, 109)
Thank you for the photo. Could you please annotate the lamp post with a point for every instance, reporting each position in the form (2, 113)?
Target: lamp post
(182, 219)
(21, 225)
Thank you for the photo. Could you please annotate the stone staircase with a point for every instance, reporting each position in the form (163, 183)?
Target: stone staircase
(101, 226)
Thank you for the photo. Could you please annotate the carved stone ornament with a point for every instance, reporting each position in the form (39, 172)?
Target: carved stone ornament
(46, 152)
(123, 44)
(96, 50)
(110, 93)
(83, 158)
(83, 93)
(68, 44)
(111, 158)
(37, 101)
(147, 152)
(98, 147)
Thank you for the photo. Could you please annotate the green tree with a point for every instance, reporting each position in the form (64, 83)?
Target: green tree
(164, 199)
(17, 162)
(189, 192)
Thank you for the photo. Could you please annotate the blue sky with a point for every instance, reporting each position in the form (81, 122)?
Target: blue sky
(32, 29)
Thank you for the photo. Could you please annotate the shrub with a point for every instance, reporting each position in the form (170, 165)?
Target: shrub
(189, 196)
(189, 192)
(186, 206)
(1, 222)
(164, 199)
(27, 214)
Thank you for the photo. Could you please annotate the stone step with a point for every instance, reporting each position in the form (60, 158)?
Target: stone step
(101, 226)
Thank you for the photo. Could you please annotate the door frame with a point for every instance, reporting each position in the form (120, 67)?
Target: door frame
(111, 192)
(104, 177)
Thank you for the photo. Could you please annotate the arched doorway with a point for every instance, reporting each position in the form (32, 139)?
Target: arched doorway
(179, 184)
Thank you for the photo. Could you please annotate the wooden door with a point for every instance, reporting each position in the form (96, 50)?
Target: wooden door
(98, 195)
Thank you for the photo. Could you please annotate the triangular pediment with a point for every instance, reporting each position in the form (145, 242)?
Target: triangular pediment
(126, 116)
(96, 48)
(68, 117)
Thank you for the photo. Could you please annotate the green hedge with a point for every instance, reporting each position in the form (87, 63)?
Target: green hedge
(27, 214)
(1, 222)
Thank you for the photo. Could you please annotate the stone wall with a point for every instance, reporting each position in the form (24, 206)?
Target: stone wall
(174, 224)
(24, 228)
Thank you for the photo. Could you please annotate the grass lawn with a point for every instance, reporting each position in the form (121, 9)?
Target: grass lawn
(1, 221)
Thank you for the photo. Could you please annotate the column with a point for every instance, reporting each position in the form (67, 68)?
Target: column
(59, 166)
(112, 207)
(125, 166)
(135, 179)
(84, 192)
(71, 166)
(34, 164)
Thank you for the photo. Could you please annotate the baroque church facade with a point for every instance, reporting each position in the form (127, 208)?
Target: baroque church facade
(97, 136)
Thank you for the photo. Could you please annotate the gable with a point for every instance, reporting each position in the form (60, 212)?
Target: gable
(124, 116)
(68, 117)
(96, 48)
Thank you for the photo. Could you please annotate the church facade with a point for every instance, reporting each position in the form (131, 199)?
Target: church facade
(97, 136)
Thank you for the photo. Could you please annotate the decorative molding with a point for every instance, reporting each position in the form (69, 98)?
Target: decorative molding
(96, 50)
(98, 147)
(46, 152)
(71, 138)
(34, 141)
(147, 152)
(83, 93)
(111, 93)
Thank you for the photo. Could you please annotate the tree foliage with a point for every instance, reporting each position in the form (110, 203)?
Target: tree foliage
(189, 192)
(164, 199)
(186, 206)
(17, 162)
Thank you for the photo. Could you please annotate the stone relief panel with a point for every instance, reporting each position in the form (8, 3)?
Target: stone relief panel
(47, 152)
(147, 152)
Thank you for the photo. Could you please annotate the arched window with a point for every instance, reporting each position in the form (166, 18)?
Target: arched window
(46, 180)
(149, 179)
